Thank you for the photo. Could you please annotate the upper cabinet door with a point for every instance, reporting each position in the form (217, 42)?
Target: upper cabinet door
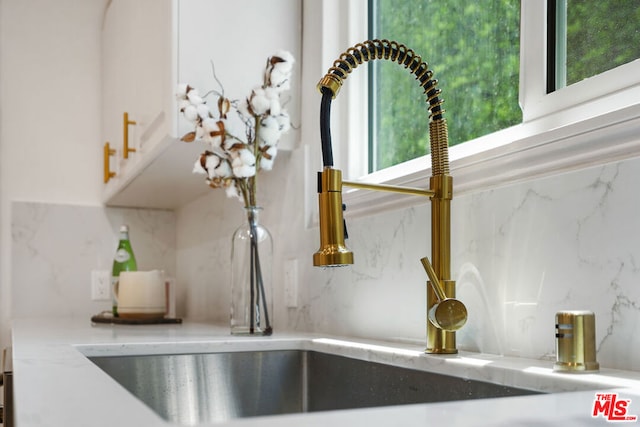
(137, 66)
(149, 46)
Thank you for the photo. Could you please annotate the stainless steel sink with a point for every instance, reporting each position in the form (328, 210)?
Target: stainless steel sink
(199, 388)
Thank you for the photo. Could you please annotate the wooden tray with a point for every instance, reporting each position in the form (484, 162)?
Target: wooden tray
(107, 317)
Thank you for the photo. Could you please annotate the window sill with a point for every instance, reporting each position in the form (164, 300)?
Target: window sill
(532, 150)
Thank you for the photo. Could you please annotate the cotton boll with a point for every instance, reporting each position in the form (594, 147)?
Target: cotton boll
(181, 92)
(232, 191)
(247, 157)
(194, 97)
(279, 79)
(183, 103)
(279, 69)
(210, 125)
(244, 171)
(244, 109)
(244, 164)
(190, 113)
(266, 164)
(213, 132)
(268, 157)
(211, 163)
(259, 102)
(274, 107)
(203, 111)
(199, 131)
(286, 57)
(224, 169)
(197, 166)
(269, 132)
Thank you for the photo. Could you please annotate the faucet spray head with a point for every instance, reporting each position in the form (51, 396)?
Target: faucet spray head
(333, 252)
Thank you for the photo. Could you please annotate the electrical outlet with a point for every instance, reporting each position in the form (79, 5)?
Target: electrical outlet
(100, 285)
(291, 283)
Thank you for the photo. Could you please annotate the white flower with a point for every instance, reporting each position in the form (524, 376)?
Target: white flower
(259, 102)
(243, 164)
(211, 163)
(232, 191)
(197, 166)
(286, 59)
(268, 157)
(280, 80)
(213, 132)
(194, 97)
(203, 111)
(183, 103)
(278, 70)
(182, 90)
(236, 155)
(274, 100)
(224, 169)
(269, 131)
(244, 109)
(190, 113)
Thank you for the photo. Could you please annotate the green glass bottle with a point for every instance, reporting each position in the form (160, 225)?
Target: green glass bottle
(124, 260)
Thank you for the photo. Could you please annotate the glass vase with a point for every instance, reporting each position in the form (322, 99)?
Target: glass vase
(251, 262)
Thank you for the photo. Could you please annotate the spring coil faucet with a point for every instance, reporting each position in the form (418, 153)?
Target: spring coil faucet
(445, 313)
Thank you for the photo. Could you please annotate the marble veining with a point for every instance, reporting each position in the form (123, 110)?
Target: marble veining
(55, 247)
(520, 253)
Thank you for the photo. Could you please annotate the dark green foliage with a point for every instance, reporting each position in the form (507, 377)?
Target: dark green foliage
(601, 35)
(472, 47)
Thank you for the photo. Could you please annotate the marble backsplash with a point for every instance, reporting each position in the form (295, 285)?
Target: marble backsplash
(55, 247)
(520, 253)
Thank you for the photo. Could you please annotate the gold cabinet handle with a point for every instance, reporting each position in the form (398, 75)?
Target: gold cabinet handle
(108, 152)
(126, 122)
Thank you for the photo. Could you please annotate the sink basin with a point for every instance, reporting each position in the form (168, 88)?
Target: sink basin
(191, 389)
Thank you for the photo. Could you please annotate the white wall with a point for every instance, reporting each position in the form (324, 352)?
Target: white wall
(520, 252)
(49, 112)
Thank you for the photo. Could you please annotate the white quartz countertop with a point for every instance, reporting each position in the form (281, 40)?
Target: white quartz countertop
(56, 385)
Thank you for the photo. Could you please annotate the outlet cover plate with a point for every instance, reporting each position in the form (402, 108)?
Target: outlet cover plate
(100, 285)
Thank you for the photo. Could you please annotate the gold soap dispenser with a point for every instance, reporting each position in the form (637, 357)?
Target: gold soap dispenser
(576, 341)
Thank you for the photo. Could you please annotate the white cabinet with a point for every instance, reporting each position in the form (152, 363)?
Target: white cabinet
(151, 45)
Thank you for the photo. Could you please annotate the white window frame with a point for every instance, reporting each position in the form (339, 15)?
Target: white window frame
(589, 123)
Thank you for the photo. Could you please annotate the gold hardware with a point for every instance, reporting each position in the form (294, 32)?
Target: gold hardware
(445, 313)
(108, 152)
(389, 188)
(333, 251)
(126, 122)
(576, 342)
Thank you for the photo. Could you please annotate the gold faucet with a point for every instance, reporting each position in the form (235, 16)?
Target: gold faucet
(445, 314)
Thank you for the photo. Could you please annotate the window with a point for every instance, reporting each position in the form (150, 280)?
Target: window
(473, 49)
(589, 37)
(591, 121)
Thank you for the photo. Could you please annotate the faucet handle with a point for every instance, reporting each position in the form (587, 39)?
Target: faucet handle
(433, 277)
(448, 314)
